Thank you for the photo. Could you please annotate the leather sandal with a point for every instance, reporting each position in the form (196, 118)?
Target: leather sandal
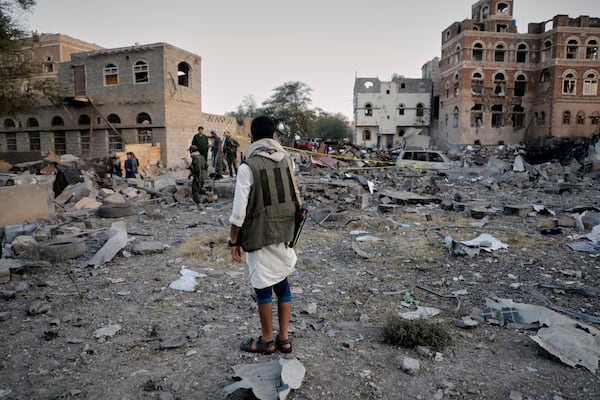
(258, 346)
(282, 343)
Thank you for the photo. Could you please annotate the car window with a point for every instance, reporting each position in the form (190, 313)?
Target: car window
(435, 157)
(407, 155)
(421, 156)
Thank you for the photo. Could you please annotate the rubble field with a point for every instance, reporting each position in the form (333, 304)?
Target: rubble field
(154, 307)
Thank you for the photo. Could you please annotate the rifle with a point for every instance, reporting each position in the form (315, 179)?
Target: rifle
(299, 220)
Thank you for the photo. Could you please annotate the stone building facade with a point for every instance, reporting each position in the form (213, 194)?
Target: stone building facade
(499, 86)
(143, 94)
(386, 111)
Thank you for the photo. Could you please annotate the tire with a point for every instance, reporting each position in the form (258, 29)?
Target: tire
(115, 210)
(62, 248)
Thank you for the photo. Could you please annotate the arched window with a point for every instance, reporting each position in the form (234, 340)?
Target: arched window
(542, 119)
(455, 118)
(478, 52)
(369, 109)
(485, 12)
(401, 109)
(590, 83)
(32, 123)
(420, 110)
(477, 115)
(145, 132)
(183, 73)
(111, 75)
(500, 53)
(114, 119)
(522, 52)
(572, 46)
(57, 121)
(447, 87)
(9, 123)
(591, 50)
(580, 118)
(366, 135)
(520, 85)
(595, 118)
(547, 50)
(84, 119)
(477, 84)
(499, 84)
(497, 116)
(566, 120)
(569, 83)
(141, 73)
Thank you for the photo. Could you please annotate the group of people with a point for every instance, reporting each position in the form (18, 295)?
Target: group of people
(263, 217)
(131, 165)
(199, 155)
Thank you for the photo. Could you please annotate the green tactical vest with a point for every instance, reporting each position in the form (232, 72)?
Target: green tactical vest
(270, 214)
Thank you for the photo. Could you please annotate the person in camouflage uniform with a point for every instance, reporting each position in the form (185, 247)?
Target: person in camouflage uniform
(199, 172)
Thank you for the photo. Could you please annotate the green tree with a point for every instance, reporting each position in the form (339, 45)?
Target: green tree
(18, 93)
(248, 109)
(333, 126)
(289, 107)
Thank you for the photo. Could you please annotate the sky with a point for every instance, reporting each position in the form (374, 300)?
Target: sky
(249, 48)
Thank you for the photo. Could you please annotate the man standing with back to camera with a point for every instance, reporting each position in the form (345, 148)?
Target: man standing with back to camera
(262, 224)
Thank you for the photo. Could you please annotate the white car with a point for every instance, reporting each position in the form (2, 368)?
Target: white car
(423, 159)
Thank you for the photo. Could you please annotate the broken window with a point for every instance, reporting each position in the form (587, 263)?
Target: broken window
(32, 123)
(478, 52)
(547, 50)
(144, 133)
(401, 132)
(84, 119)
(499, 84)
(501, 28)
(141, 72)
(569, 83)
(457, 56)
(580, 118)
(11, 141)
(595, 118)
(500, 53)
(366, 135)
(60, 142)
(368, 109)
(48, 65)
(420, 110)
(542, 119)
(477, 84)
(456, 86)
(115, 141)
(522, 53)
(520, 85)
(401, 109)
(566, 119)
(497, 116)
(485, 12)
(503, 9)
(572, 46)
(57, 121)
(545, 80)
(35, 143)
(447, 85)
(590, 84)
(591, 51)
(111, 75)
(9, 123)
(183, 73)
(518, 117)
(477, 115)
(455, 118)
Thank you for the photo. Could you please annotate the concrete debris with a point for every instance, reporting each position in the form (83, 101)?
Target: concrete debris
(116, 241)
(273, 380)
(107, 331)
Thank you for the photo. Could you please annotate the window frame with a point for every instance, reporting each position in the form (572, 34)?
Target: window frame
(110, 72)
(141, 72)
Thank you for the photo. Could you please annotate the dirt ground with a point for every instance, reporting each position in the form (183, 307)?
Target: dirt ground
(50, 311)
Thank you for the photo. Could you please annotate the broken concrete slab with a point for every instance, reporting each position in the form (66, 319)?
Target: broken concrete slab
(22, 203)
(272, 380)
(116, 241)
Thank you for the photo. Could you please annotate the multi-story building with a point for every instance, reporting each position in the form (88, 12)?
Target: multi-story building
(109, 98)
(385, 113)
(499, 86)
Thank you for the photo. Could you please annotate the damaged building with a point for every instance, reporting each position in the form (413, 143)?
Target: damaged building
(499, 86)
(148, 95)
(387, 114)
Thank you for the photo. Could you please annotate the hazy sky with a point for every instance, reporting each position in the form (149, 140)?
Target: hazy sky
(251, 47)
